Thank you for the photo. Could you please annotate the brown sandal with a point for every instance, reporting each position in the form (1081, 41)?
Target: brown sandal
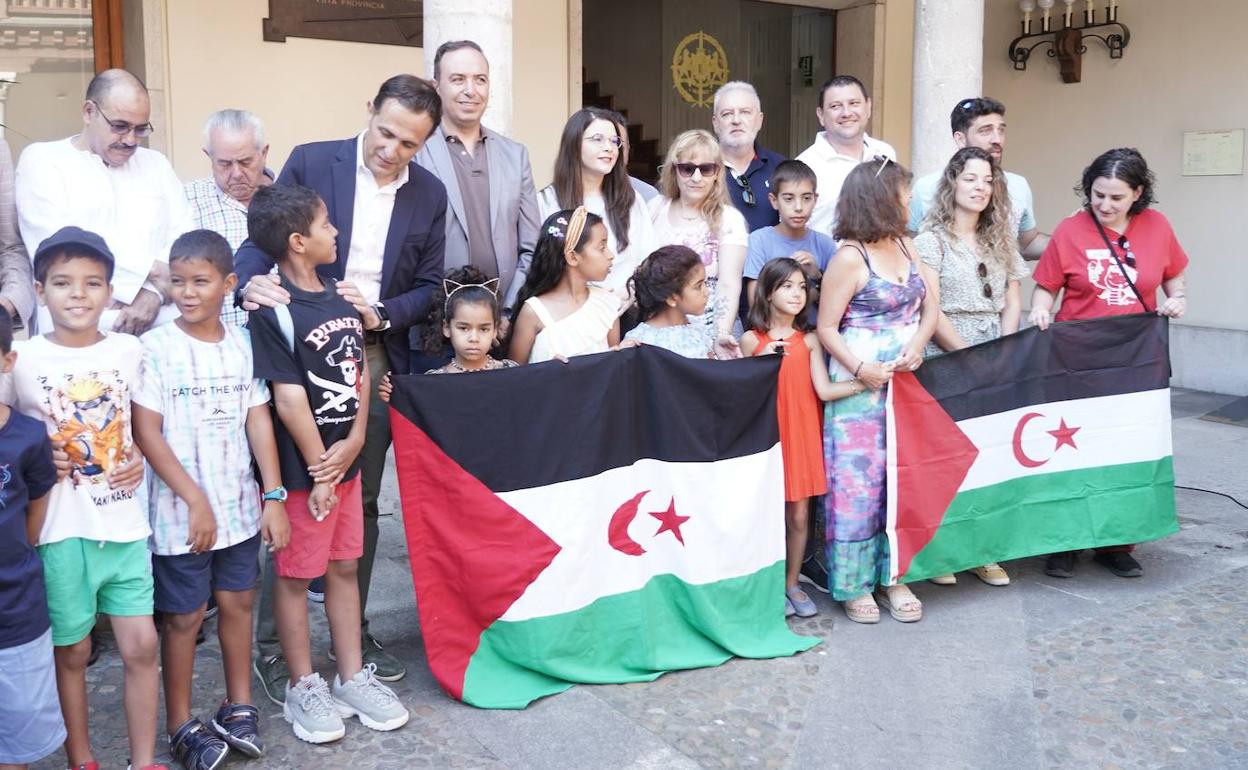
(862, 609)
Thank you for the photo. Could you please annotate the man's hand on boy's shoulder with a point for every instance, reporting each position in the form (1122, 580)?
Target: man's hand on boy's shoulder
(264, 291)
(368, 314)
(137, 317)
(202, 535)
(274, 525)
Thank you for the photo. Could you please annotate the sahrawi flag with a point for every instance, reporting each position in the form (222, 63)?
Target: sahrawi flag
(604, 520)
(1035, 443)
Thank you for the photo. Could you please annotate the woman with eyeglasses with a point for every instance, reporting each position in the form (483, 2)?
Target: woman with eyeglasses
(1109, 259)
(693, 209)
(968, 239)
(589, 172)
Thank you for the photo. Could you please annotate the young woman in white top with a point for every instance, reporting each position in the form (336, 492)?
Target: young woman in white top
(693, 209)
(589, 172)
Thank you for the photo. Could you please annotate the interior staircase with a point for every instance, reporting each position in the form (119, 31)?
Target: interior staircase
(644, 158)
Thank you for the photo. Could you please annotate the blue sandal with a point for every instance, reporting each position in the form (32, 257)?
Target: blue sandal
(238, 724)
(195, 747)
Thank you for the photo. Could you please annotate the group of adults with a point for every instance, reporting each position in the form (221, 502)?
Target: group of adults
(425, 188)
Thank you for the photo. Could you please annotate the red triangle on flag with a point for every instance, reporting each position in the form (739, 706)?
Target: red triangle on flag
(472, 554)
(932, 457)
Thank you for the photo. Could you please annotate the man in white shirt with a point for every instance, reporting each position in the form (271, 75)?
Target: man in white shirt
(844, 111)
(980, 123)
(102, 180)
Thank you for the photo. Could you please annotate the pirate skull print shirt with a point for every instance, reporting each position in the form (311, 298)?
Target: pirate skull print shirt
(325, 356)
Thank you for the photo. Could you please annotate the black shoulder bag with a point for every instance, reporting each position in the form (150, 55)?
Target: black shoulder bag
(1122, 268)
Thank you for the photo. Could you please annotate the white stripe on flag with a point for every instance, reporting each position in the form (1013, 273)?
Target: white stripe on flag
(735, 528)
(1111, 430)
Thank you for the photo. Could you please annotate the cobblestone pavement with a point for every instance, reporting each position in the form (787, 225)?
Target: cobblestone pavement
(1092, 672)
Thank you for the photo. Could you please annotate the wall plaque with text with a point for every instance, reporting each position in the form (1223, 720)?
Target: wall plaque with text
(387, 22)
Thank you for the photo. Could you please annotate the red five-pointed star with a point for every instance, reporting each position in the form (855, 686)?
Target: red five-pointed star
(670, 521)
(1064, 436)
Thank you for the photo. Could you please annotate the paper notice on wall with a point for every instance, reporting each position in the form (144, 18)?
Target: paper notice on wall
(1213, 153)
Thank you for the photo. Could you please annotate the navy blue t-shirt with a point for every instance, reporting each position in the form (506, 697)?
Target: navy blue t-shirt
(758, 176)
(26, 473)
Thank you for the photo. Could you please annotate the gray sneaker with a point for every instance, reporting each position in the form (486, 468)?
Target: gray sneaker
(375, 704)
(273, 674)
(310, 710)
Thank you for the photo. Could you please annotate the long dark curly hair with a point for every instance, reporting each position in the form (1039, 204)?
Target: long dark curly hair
(473, 292)
(662, 274)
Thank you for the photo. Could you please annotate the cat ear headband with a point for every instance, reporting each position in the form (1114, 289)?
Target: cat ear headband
(450, 287)
(572, 227)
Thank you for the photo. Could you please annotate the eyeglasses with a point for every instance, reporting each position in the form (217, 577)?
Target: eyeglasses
(706, 169)
(603, 139)
(747, 195)
(1125, 245)
(983, 276)
(121, 127)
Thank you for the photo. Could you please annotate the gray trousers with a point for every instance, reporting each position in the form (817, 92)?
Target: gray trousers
(372, 465)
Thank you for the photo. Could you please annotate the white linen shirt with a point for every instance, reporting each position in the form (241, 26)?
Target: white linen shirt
(370, 224)
(831, 168)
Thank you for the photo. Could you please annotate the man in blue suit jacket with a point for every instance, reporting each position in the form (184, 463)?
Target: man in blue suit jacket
(391, 220)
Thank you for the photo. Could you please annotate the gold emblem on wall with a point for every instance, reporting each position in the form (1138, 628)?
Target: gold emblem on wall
(699, 68)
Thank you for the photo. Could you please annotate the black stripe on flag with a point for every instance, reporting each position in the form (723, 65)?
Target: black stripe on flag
(1071, 360)
(551, 422)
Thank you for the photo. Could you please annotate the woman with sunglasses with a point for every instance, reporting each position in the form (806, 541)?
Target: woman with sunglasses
(969, 240)
(693, 209)
(1109, 259)
(589, 172)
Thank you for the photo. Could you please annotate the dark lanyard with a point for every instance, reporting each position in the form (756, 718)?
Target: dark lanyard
(1122, 268)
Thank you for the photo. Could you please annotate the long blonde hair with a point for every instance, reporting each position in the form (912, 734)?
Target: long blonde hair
(716, 199)
(995, 234)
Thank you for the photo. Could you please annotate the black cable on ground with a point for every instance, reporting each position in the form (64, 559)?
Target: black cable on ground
(1214, 492)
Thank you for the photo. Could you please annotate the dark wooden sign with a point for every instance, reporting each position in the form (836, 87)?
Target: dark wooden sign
(388, 22)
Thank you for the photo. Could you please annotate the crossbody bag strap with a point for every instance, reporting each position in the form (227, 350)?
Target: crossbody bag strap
(1121, 267)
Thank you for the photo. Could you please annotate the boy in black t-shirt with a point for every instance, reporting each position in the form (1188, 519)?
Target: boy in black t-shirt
(312, 352)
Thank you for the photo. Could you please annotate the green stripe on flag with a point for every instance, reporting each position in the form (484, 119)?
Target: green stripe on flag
(1047, 513)
(633, 637)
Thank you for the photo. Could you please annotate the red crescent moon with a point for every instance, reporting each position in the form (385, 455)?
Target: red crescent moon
(617, 531)
(1019, 454)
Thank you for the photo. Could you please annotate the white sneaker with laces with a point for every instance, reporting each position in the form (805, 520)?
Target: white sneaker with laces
(374, 703)
(311, 711)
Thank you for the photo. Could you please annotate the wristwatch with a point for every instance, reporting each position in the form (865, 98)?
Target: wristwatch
(383, 315)
(278, 494)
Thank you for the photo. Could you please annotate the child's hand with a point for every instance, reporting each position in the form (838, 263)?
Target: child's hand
(727, 347)
(335, 462)
(803, 257)
(875, 375)
(127, 477)
(274, 525)
(203, 525)
(627, 344)
(60, 459)
(385, 388)
(775, 346)
(321, 500)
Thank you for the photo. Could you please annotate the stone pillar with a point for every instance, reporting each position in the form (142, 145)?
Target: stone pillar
(488, 24)
(948, 66)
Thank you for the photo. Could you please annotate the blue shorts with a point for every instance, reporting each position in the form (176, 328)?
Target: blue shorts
(184, 582)
(29, 708)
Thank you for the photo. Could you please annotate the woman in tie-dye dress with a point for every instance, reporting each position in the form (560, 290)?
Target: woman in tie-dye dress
(878, 308)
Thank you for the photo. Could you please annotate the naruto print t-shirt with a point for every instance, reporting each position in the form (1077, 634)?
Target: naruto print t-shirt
(82, 395)
(324, 356)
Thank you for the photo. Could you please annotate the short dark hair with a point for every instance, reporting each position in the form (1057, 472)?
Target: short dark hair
(792, 172)
(1127, 164)
(6, 334)
(770, 277)
(660, 275)
(412, 93)
(839, 81)
(278, 211)
(966, 111)
(449, 47)
(869, 208)
(207, 245)
(46, 259)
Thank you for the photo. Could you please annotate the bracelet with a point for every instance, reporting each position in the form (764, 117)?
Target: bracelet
(1178, 296)
(859, 369)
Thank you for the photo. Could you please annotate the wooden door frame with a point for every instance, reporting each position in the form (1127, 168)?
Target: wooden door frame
(106, 35)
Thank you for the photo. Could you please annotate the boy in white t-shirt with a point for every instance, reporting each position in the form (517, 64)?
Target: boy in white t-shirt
(199, 415)
(93, 542)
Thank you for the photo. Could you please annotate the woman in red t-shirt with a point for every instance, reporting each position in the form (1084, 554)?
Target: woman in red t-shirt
(1109, 259)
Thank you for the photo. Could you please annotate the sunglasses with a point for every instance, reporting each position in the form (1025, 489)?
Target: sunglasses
(983, 276)
(706, 169)
(1125, 245)
(747, 194)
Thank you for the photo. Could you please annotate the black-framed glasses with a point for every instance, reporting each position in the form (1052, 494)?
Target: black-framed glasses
(747, 194)
(1125, 245)
(983, 276)
(121, 127)
(706, 169)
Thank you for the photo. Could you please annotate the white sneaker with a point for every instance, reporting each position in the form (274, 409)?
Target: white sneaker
(311, 711)
(375, 704)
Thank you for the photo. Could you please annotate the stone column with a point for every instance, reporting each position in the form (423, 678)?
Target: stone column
(488, 24)
(948, 66)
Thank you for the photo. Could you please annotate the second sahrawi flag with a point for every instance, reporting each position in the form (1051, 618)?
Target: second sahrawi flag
(1032, 444)
(604, 520)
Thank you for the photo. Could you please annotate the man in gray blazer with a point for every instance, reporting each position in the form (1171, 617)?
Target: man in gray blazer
(492, 215)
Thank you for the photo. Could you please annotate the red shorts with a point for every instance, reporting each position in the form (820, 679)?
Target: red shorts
(314, 544)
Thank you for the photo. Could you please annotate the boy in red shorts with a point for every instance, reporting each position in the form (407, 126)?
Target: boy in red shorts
(312, 353)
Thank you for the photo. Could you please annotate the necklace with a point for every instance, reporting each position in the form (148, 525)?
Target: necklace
(686, 217)
(457, 366)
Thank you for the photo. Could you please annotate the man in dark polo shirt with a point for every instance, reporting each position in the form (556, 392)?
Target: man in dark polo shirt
(737, 117)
